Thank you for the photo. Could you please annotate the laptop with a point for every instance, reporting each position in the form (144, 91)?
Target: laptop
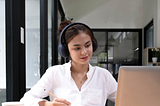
(138, 86)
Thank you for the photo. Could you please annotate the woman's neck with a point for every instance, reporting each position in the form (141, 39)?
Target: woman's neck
(79, 68)
(78, 73)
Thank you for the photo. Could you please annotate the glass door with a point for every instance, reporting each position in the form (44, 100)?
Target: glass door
(117, 48)
(2, 53)
(123, 50)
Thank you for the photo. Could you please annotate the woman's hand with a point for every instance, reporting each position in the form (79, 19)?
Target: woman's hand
(55, 102)
(61, 102)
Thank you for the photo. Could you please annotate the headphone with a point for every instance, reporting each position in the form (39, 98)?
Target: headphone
(63, 48)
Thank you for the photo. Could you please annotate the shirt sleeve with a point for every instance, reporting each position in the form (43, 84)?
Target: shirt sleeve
(38, 91)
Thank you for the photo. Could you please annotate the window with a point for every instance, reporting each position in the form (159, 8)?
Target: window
(148, 35)
(2, 53)
(32, 42)
(49, 33)
(117, 48)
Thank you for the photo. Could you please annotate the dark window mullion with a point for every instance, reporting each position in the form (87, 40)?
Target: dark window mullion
(60, 9)
(43, 36)
(15, 50)
(54, 32)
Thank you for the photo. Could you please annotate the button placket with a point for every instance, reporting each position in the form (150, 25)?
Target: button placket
(79, 97)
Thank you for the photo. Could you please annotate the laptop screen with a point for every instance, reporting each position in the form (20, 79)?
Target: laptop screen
(138, 86)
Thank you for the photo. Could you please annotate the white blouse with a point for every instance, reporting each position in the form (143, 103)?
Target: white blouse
(99, 86)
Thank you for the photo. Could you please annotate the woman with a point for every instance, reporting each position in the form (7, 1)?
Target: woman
(75, 83)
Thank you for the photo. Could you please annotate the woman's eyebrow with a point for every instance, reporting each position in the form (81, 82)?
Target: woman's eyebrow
(79, 44)
(87, 42)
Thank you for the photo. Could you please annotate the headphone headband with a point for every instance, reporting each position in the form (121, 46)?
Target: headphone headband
(69, 25)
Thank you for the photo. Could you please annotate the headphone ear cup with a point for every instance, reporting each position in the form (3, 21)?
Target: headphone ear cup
(94, 46)
(63, 50)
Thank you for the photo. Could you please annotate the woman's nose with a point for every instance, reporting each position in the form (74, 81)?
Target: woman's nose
(83, 51)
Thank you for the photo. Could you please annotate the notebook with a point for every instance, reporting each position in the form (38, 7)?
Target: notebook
(138, 86)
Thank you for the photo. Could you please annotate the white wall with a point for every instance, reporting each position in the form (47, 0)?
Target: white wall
(116, 14)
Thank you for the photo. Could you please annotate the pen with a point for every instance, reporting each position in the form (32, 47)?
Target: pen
(51, 93)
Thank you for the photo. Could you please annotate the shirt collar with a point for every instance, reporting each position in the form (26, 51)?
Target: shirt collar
(90, 72)
(68, 69)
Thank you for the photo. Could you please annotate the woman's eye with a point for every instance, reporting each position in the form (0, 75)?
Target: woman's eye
(88, 45)
(77, 48)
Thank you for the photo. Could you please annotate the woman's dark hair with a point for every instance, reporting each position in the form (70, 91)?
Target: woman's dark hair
(73, 30)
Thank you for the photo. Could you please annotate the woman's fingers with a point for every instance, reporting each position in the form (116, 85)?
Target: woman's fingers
(61, 102)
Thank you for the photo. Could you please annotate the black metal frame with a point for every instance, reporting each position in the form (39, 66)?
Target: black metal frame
(145, 29)
(43, 36)
(60, 8)
(127, 30)
(54, 32)
(15, 50)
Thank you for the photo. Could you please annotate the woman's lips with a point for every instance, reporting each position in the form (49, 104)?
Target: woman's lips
(85, 58)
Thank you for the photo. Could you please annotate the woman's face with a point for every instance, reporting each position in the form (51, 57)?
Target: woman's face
(80, 48)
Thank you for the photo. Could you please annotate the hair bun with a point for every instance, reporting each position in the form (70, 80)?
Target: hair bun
(62, 26)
